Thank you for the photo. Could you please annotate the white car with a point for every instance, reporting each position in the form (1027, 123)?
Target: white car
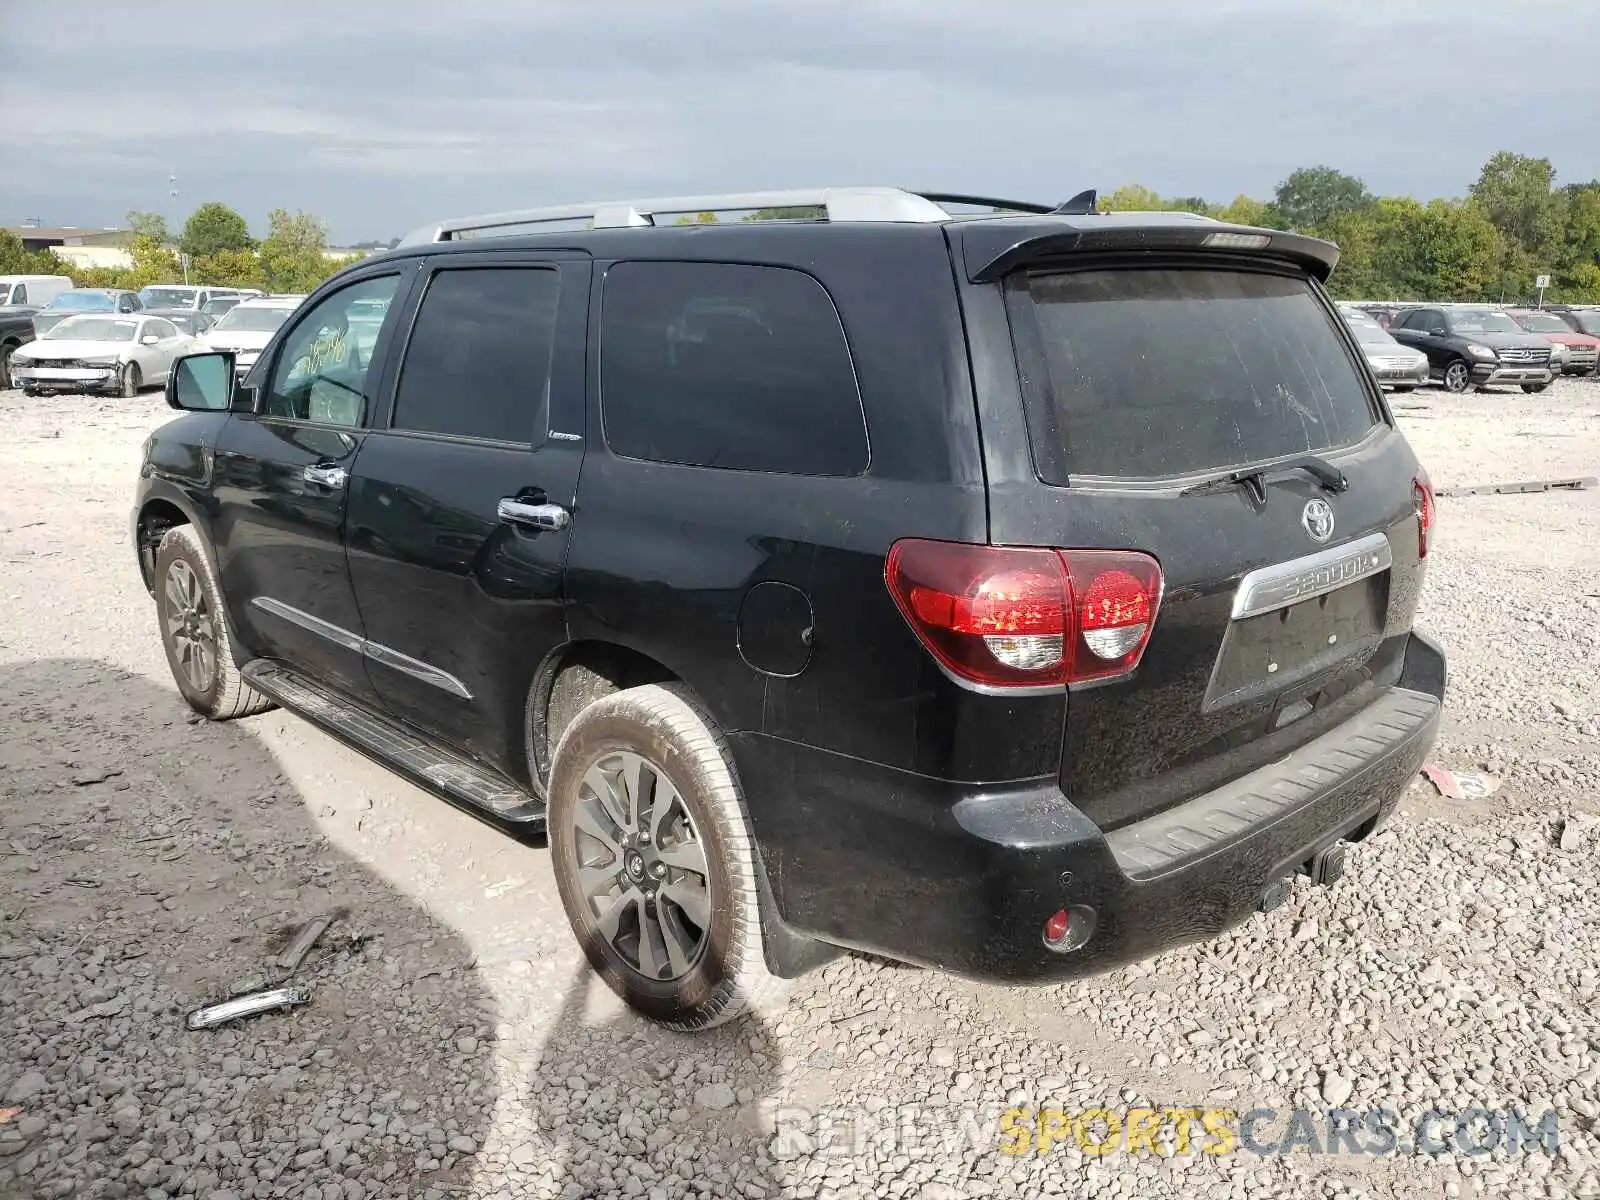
(113, 352)
(248, 326)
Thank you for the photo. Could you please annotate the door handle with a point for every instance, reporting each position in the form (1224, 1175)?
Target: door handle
(328, 477)
(550, 518)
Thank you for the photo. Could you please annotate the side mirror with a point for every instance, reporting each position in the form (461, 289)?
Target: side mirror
(202, 382)
(149, 339)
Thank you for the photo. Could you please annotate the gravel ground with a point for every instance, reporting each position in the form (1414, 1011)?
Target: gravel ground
(455, 1046)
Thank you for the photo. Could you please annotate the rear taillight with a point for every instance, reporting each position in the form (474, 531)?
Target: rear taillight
(1003, 616)
(1422, 500)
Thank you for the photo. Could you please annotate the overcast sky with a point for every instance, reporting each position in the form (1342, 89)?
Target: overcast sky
(381, 115)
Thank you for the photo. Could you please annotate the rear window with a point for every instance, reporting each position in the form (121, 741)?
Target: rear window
(724, 365)
(1155, 372)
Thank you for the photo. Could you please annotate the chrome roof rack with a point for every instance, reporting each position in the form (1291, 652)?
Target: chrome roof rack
(836, 203)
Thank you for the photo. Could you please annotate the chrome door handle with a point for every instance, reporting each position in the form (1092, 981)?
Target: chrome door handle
(548, 517)
(328, 477)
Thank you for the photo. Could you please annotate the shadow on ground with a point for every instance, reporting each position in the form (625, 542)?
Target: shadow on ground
(149, 863)
(615, 1105)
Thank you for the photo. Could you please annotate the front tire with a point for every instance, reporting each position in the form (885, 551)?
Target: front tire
(128, 381)
(1402, 388)
(1534, 388)
(654, 860)
(5, 367)
(194, 631)
(1458, 377)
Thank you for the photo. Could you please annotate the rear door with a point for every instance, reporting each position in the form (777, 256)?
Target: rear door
(1285, 598)
(460, 499)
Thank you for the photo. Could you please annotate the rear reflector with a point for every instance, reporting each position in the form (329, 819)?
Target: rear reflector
(1424, 503)
(1003, 616)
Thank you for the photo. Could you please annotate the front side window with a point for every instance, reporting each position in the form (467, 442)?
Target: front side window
(19, 294)
(321, 373)
(726, 365)
(1150, 373)
(478, 362)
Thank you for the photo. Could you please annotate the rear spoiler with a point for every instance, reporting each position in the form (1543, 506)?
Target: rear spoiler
(993, 249)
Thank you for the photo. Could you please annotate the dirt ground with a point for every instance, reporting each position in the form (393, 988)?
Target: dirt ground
(455, 1045)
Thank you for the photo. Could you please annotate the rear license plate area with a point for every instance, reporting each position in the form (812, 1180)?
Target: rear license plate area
(1278, 650)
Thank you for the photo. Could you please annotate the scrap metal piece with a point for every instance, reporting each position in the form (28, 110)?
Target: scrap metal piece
(300, 945)
(1576, 484)
(209, 1016)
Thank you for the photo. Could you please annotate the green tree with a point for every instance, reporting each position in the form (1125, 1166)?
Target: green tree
(294, 254)
(705, 218)
(1517, 193)
(1246, 210)
(1312, 196)
(148, 223)
(17, 260)
(229, 268)
(1131, 197)
(1359, 274)
(152, 263)
(213, 227)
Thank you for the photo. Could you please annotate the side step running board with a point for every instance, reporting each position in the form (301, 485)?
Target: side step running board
(483, 792)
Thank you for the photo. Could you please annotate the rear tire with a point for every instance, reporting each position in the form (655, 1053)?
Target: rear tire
(645, 812)
(1458, 377)
(128, 381)
(194, 630)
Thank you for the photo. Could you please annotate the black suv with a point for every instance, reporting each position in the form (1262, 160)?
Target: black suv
(1471, 346)
(1016, 593)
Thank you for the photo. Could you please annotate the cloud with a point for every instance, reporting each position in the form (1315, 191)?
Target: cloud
(381, 117)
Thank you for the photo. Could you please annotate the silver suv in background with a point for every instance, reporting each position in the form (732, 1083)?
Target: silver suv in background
(1399, 367)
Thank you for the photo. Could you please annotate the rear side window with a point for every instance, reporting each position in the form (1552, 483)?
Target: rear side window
(1154, 372)
(478, 363)
(725, 365)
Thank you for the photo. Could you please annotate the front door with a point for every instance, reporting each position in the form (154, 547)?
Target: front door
(460, 498)
(281, 485)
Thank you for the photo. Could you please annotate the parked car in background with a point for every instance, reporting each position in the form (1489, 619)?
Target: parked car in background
(16, 329)
(218, 305)
(193, 298)
(248, 327)
(750, 563)
(34, 290)
(84, 300)
(101, 352)
(1399, 367)
(1474, 346)
(1579, 352)
(193, 323)
(1581, 318)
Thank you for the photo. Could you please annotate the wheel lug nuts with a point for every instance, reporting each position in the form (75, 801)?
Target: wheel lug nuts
(659, 870)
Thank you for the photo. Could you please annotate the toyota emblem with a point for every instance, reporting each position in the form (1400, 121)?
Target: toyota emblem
(1318, 520)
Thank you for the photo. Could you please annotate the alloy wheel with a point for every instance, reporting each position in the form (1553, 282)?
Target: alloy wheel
(641, 866)
(190, 626)
(1456, 377)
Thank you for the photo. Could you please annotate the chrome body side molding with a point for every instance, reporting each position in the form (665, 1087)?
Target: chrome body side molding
(354, 642)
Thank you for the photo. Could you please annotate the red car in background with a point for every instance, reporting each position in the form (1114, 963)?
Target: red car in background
(1580, 352)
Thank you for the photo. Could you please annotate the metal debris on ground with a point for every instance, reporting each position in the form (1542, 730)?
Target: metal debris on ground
(300, 945)
(209, 1016)
(1576, 484)
(1461, 785)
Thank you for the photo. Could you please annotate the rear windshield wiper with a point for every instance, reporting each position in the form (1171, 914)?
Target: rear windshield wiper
(1254, 479)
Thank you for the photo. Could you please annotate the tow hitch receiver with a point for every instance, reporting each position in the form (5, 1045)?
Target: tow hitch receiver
(1327, 866)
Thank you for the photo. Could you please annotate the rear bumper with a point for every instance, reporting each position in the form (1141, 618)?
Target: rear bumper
(962, 878)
